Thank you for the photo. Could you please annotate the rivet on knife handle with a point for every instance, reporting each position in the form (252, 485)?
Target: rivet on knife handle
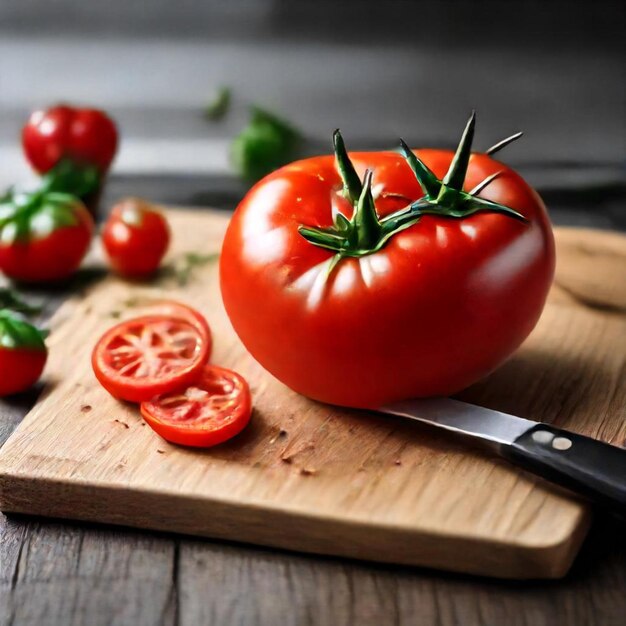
(592, 468)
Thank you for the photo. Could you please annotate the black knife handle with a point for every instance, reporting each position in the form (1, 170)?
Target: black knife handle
(592, 468)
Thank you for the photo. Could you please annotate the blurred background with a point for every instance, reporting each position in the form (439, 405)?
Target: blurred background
(378, 70)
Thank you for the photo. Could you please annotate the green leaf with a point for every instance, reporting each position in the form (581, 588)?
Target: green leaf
(10, 299)
(342, 223)
(7, 210)
(52, 215)
(16, 333)
(323, 238)
(352, 186)
(503, 144)
(425, 177)
(264, 145)
(365, 219)
(72, 178)
(484, 183)
(36, 214)
(458, 168)
(424, 206)
(218, 107)
(260, 115)
(480, 204)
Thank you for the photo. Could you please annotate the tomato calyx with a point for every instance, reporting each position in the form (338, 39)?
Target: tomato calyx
(12, 301)
(16, 333)
(48, 207)
(71, 177)
(28, 215)
(365, 233)
(446, 197)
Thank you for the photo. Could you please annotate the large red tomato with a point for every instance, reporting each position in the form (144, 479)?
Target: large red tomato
(357, 284)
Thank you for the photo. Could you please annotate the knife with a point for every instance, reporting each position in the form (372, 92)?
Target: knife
(594, 469)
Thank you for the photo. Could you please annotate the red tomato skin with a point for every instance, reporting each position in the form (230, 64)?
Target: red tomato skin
(52, 258)
(86, 136)
(135, 249)
(444, 303)
(20, 369)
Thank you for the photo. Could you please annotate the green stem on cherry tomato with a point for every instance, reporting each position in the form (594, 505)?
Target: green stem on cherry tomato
(68, 176)
(15, 333)
(11, 300)
(18, 210)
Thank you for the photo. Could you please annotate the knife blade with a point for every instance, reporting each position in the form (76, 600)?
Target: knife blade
(591, 468)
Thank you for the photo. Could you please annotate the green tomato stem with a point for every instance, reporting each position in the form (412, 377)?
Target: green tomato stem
(16, 333)
(366, 233)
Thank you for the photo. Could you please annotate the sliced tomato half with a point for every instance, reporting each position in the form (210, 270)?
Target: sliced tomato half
(175, 309)
(214, 409)
(152, 354)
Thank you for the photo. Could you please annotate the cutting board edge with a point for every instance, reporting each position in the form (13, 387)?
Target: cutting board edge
(283, 528)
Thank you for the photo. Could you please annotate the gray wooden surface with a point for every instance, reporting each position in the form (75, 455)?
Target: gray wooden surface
(66, 574)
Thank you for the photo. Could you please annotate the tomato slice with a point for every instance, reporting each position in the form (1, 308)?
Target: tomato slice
(152, 354)
(214, 409)
(175, 309)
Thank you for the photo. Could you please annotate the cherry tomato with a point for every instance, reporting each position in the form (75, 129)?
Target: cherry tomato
(135, 237)
(216, 408)
(85, 136)
(152, 354)
(23, 354)
(372, 277)
(43, 235)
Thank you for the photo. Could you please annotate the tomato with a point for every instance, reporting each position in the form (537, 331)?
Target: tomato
(145, 356)
(85, 136)
(43, 235)
(135, 237)
(216, 408)
(377, 276)
(23, 354)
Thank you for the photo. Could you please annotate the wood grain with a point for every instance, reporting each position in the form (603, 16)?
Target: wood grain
(334, 477)
(69, 574)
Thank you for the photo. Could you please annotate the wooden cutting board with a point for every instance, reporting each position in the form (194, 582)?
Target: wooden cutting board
(311, 477)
